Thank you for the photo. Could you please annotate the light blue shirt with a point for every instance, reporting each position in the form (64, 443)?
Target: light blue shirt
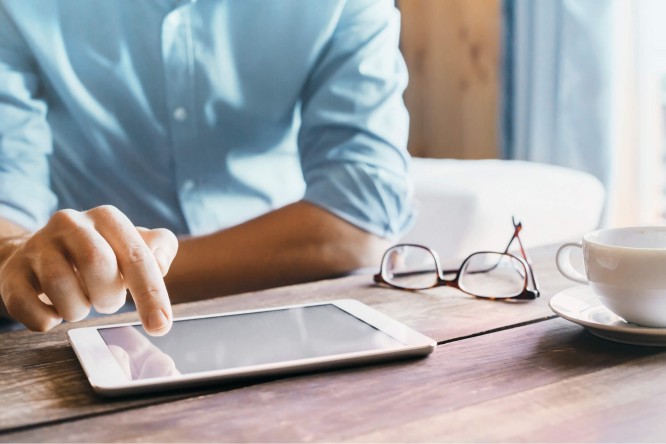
(199, 115)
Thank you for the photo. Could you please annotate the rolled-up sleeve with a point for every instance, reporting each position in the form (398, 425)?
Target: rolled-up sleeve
(25, 138)
(354, 124)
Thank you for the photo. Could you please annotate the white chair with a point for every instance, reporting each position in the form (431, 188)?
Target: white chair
(466, 205)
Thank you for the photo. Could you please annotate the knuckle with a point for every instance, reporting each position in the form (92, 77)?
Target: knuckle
(105, 212)
(148, 293)
(106, 308)
(76, 313)
(167, 237)
(164, 233)
(110, 303)
(138, 254)
(65, 218)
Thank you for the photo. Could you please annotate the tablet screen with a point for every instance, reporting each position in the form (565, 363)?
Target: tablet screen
(241, 340)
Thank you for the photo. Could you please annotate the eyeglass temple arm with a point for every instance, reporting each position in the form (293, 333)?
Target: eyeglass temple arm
(518, 226)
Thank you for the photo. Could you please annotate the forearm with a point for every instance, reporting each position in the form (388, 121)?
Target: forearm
(297, 243)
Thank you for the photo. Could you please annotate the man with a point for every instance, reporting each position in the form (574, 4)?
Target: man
(269, 136)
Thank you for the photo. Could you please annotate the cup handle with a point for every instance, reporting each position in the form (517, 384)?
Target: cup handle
(565, 267)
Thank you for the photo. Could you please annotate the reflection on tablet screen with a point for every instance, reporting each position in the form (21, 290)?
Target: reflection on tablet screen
(241, 340)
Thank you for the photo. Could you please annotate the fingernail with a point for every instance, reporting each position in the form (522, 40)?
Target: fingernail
(157, 320)
(162, 260)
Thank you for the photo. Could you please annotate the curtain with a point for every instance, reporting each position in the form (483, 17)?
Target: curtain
(558, 83)
(579, 90)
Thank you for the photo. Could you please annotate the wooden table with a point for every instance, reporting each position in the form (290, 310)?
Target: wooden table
(501, 372)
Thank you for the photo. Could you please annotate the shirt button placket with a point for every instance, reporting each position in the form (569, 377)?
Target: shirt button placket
(177, 52)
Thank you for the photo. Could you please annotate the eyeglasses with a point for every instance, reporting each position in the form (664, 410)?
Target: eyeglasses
(485, 274)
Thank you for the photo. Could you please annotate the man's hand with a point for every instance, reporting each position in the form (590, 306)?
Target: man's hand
(88, 258)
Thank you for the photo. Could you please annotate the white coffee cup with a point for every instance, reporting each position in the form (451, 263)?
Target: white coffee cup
(626, 268)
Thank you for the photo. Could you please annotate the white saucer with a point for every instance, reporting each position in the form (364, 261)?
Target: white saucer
(581, 306)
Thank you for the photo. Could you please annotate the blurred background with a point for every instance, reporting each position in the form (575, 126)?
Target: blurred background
(576, 83)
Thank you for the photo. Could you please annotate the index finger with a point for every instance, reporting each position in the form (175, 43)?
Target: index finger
(139, 268)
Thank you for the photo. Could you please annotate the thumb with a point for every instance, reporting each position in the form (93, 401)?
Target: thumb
(164, 245)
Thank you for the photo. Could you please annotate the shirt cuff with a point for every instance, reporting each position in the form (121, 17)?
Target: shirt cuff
(25, 203)
(370, 198)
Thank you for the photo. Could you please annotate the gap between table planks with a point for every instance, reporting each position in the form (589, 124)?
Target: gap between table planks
(547, 381)
(43, 382)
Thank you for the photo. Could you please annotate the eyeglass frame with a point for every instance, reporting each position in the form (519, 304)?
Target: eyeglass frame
(525, 295)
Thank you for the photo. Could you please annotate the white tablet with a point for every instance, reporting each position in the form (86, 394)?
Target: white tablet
(123, 359)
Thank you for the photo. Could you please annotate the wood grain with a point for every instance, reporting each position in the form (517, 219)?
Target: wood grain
(451, 48)
(43, 382)
(549, 381)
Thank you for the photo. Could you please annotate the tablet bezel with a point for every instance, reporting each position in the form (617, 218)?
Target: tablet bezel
(107, 377)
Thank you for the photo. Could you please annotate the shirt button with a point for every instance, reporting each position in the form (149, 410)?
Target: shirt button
(180, 114)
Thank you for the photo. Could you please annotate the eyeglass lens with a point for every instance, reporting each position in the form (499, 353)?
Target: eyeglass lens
(410, 267)
(491, 275)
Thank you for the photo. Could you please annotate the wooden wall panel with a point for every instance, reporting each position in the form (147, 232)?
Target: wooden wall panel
(452, 51)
